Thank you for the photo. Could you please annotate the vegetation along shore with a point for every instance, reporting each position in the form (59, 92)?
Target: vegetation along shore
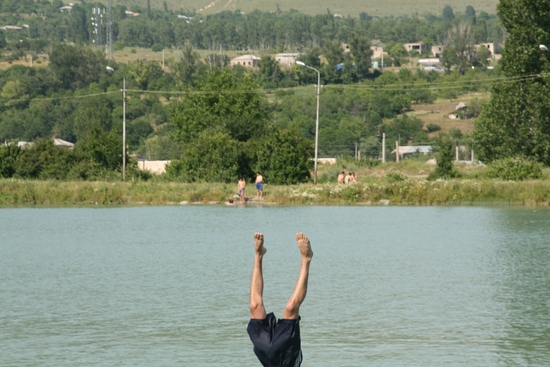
(404, 183)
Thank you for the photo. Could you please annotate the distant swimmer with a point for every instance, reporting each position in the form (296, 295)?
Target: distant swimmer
(277, 342)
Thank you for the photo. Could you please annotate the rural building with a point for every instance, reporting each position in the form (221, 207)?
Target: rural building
(377, 52)
(62, 143)
(249, 61)
(411, 149)
(437, 51)
(429, 64)
(287, 59)
(419, 47)
(489, 46)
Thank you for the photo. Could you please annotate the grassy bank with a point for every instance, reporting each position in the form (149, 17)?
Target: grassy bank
(408, 191)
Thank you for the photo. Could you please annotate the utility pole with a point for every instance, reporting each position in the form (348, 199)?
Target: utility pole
(109, 42)
(124, 129)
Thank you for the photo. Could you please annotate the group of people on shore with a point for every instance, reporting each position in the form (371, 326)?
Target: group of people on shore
(241, 186)
(346, 178)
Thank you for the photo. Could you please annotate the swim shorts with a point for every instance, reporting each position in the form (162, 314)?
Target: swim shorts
(277, 343)
(259, 186)
(241, 192)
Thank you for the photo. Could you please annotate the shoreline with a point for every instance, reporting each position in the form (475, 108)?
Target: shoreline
(380, 192)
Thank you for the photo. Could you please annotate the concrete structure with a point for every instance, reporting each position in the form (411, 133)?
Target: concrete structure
(155, 167)
(249, 61)
(286, 59)
(377, 52)
(411, 149)
(62, 143)
(489, 46)
(419, 47)
(437, 51)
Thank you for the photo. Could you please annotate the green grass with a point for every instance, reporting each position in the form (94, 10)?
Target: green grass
(344, 7)
(401, 183)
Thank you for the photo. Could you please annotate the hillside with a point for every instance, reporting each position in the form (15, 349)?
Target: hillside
(378, 8)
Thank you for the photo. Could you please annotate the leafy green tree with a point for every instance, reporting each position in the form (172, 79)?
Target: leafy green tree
(362, 54)
(8, 159)
(76, 66)
(284, 157)
(459, 47)
(145, 72)
(186, 67)
(224, 114)
(104, 149)
(483, 56)
(270, 72)
(43, 160)
(448, 13)
(516, 122)
(444, 168)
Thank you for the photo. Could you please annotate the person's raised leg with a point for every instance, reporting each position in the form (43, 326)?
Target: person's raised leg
(292, 309)
(257, 309)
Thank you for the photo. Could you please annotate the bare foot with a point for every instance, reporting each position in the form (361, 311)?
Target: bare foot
(304, 245)
(259, 244)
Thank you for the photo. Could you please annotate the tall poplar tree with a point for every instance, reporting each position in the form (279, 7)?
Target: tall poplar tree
(517, 120)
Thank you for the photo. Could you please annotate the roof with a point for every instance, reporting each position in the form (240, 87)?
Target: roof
(62, 143)
(409, 149)
(246, 57)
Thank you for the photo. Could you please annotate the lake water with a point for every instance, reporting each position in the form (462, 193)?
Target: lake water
(168, 286)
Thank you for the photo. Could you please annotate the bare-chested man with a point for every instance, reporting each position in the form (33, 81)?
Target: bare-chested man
(277, 342)
(259, 185)
(240, 187)
(341, 177)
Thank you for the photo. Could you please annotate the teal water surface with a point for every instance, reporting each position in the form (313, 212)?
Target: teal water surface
(168, 286)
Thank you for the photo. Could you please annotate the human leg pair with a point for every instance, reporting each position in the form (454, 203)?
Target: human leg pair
(292, 308)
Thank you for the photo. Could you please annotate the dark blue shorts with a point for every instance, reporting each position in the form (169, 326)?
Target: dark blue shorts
(259, 186)
(277, 343)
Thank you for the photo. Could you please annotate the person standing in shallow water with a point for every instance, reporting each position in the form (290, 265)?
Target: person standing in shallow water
(240, 187)
(259, 185)
(277, 343)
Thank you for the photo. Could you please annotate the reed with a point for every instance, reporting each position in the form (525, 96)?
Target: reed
(407, 191)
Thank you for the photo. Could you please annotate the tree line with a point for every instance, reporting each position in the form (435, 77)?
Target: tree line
(277, 31)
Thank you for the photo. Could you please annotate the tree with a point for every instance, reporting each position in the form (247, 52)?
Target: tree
(284, 157)
(444, 168)
(448, 13)
(77, 67)
(516, 122)
(225, 114)
(360, 49)
(483, 56)
(459, 46)
(270, 72)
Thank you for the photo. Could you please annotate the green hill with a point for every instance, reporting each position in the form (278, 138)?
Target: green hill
(379, 8)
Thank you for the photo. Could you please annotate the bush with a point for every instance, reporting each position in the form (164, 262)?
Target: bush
(514, 169)
(444, 169)
(118, 45)
(433, 128)
(157, 48)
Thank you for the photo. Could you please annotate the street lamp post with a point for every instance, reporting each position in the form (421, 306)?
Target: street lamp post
(316, 119)
(124, 129)
(123, 125)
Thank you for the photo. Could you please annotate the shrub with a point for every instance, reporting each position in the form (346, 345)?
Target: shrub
(119, 45)
(433, 128)
(514, 169)
(444, 167)
(157, 48)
